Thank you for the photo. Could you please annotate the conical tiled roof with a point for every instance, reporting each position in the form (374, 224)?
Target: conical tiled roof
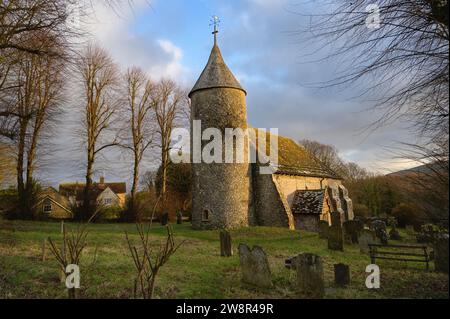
(216, 74)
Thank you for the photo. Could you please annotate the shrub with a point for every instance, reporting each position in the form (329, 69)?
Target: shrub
(406, 214)
(428, 233)
(361, 210)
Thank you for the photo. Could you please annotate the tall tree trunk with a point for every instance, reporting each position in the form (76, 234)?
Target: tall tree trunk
(20, 168)
(133, 209)
(164, 176)
(87, 213)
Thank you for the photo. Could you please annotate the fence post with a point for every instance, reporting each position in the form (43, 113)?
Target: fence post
(44, 250)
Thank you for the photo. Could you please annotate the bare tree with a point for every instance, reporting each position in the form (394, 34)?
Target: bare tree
(148, 180)
(99, 82)
(326, 154)
(20, 20)
(428, 184)
(147, 262)
(169, 102)
(139, 123)
(403, 55)
(37, 82)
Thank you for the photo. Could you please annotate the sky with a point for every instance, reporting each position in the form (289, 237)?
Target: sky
(172, 38)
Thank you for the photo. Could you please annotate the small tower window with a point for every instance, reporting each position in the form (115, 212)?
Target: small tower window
(206, 215)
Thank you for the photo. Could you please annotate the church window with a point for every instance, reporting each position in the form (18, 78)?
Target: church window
(206, 215)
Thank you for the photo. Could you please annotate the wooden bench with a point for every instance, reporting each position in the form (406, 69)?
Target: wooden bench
(412, 255)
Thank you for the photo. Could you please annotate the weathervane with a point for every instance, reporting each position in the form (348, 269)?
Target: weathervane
(215, 21)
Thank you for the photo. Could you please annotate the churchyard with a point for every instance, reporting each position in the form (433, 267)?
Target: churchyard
(197, 269)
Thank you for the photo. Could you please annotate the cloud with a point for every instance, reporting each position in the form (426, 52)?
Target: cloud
(158, 56)
(261, 44)
(273, 62)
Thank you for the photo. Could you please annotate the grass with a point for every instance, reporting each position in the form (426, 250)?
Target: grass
(196, 270)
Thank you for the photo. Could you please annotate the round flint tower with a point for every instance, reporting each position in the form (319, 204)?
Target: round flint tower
(221, 191)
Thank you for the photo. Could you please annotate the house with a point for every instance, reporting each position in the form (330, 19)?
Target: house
(51, 204)
(103, 194)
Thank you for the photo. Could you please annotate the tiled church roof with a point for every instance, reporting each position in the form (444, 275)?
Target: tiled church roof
(308, 202)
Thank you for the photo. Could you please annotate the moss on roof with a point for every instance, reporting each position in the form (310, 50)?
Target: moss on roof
(294, 159)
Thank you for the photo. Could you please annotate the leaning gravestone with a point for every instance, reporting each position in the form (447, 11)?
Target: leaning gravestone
(341, 274)
(310, 275)
(225, 244)
(441, 253)
(323, 229)
(366, 237)
(335, 238)
(351, 230)
(179, 218)
(254, 266)
(165, 219)
(379, 227)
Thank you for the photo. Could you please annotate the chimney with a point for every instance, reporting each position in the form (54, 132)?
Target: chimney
(102, 180)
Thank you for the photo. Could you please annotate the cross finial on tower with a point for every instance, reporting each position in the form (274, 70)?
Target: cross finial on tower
(215, 21)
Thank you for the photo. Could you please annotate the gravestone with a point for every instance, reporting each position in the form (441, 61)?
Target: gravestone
(323, 229)
(336, 218)
(335, 238)
(441, 253)
(225, 244)
(254, 266)
(394, 234)
(366, 237)
(165, 219)
(341, 274)
(351, 230)
(179, 218)
(309, 270)
(379, 227)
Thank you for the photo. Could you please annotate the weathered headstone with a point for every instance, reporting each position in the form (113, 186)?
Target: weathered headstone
(394, 234)
(225, 244)
(351, 230)
(341, 274)
(179, 218)
(323, 229)
(441, 253)
(165, 219)
(366, 237)
(335, 238)
(254, 266)
(309, 270)
(379, 227)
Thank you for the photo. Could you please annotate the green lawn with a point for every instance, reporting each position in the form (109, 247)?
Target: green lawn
(196, 270)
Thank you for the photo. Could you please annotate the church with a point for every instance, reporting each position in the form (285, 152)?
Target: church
(297, 194)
